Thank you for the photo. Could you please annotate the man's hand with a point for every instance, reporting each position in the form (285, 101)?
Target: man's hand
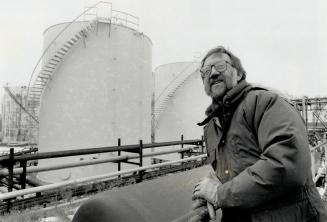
(197, 203)
(199, 214)
(207, 190)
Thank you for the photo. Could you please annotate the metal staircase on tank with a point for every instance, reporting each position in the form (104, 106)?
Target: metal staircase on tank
(45, 75)
(169, 92)
(48, 68)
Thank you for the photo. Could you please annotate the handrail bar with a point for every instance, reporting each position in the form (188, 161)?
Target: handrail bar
(20, 152)
(52, 186)
(20, 144)
(116, 18)
(318, 146)
(35, 169)
(125, 13)
(67, 153)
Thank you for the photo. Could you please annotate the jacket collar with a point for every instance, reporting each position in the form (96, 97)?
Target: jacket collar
(234, 96)
(229, 101)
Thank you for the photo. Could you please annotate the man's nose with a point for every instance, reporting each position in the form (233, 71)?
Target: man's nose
(214, 73)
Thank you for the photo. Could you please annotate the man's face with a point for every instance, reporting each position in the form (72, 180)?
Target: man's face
(216, 84)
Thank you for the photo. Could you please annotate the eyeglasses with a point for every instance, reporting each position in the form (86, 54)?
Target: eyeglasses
(220, 67)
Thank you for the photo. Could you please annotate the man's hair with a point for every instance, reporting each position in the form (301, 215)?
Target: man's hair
(235, 60)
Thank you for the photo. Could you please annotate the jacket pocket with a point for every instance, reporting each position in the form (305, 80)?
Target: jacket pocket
(301, 211)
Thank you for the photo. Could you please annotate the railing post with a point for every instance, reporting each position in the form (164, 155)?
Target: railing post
(325, 149)
(141, 153)
(11, 170)
(22, 178)
(119, 152)
(202, 144)
(313, 161)
(141, 160)
(182, 146)
(305, 112)
(9, 204)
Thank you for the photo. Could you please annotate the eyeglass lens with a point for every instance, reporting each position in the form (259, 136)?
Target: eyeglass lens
(219, 67)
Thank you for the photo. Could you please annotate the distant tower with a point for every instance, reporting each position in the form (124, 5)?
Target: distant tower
(14, 125)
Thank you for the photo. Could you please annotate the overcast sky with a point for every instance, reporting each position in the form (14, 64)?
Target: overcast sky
(282, 43)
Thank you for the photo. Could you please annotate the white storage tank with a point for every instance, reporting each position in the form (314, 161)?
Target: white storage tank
(180, 102)
(100, 92)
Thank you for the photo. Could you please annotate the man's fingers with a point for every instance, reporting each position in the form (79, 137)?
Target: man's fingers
(195, 218)
(196, 195)
(196, 186)
(199, 214)
(196, 189)
(211, 211)
(198, 203)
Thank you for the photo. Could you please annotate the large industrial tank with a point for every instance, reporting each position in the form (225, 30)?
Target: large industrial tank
(180, 102)
(100, 92)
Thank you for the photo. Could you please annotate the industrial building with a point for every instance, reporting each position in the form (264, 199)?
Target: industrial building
(14, 125)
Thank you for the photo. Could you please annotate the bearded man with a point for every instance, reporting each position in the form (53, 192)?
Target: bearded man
(257, 146)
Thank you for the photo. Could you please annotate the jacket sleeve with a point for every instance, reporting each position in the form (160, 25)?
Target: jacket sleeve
(284, 163)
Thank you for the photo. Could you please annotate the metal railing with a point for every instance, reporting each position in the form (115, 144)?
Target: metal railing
(135, 152)
(24, 150)
(118, 159)
(126, 19)
(127, 148)
(57, 36)
(54, 40)
(14, 194)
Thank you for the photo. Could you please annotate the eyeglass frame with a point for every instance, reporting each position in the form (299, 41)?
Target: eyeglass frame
(203, 75)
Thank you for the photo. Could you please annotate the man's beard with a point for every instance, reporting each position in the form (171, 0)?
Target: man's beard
(218, 94)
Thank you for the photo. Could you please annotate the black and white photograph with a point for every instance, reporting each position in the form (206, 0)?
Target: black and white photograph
(163, 111)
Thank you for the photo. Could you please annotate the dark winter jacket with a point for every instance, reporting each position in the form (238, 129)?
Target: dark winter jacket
(260, 153)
